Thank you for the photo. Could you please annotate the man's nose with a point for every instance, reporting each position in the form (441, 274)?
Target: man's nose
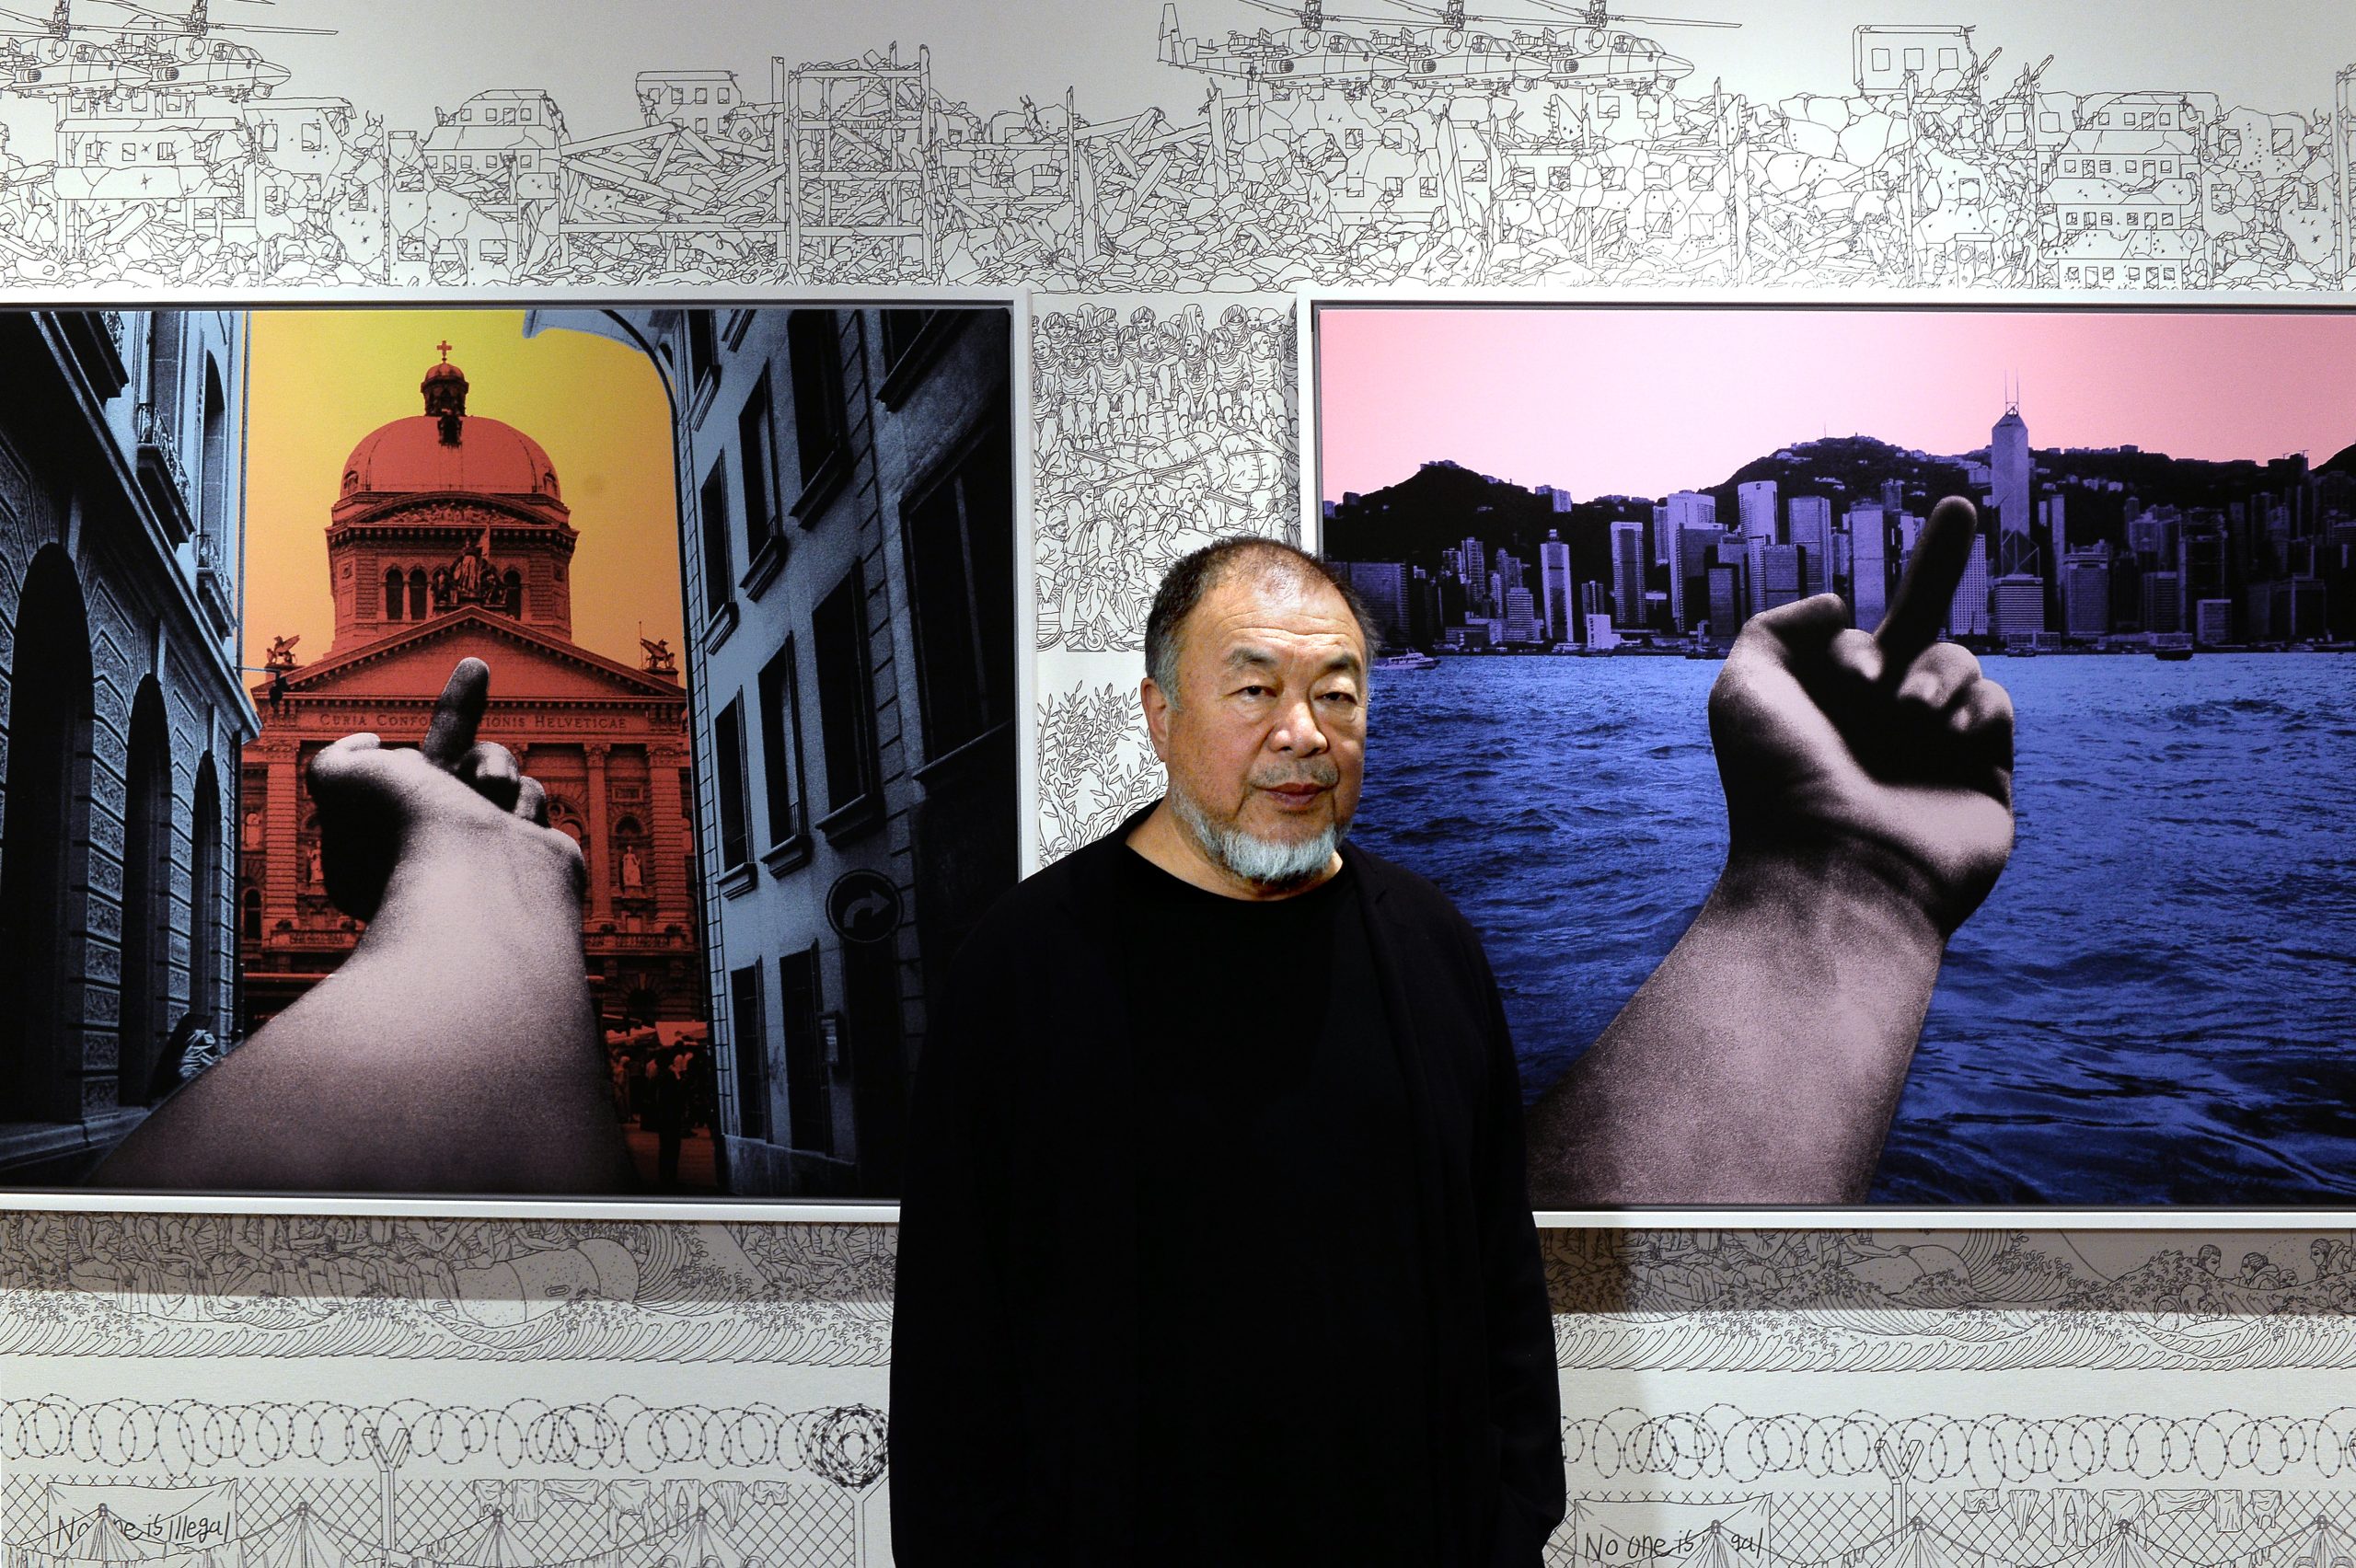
(1298, 731)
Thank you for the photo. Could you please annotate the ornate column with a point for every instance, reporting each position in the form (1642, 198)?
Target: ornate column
(282, 823)
(601, 847)
(670, 837)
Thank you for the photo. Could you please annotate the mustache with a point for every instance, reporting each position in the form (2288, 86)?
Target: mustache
(1324, 775)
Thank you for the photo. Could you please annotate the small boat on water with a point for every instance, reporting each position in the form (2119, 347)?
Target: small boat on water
(2172, 647)
(2172, 655)
(1411, 659)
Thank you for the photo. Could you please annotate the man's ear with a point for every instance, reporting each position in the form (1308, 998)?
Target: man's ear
(1156, 717)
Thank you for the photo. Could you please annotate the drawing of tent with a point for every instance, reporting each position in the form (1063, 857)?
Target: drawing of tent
(2124, 1549)
(490, 1544)
(297, 1540)
(2324, 1545)
(1715, 1550)
(703, 1547)
(104, 1542)
(1917, 1547)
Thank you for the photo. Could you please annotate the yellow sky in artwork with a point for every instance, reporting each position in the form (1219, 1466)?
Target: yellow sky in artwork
(322, 379)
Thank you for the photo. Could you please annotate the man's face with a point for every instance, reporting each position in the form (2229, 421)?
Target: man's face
(1267, 737)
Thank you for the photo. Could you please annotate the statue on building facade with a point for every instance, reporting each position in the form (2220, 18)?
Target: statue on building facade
(470, 579)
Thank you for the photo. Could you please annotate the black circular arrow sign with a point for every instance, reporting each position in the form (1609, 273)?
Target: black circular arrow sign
(863, 906)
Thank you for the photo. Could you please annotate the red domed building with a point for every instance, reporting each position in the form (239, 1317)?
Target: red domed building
(450, 536)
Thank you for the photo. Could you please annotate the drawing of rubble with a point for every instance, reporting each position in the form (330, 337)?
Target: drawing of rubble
(1569, 147)
(172, 162)
(1151, 437)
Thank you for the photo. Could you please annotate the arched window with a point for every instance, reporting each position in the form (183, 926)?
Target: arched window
(515, 581)
(250, 914)
(212, 492)
(420, 604)
(393, 596)
(41, 866)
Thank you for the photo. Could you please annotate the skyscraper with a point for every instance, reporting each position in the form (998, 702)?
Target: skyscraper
(2020, 606)
(1809, 518)
(1755, 502)
(1868, 565)
(1775, 574)
(1555, 585)
(2200, 567)
(1522, 615)
(1689, 578)
(1686, 509)
(2086, 591)
(1383, 585)
(2053, 512)
(1967, 609)
(1628, 573)
(1476, 574)
(1726, 599)
(2009, 460)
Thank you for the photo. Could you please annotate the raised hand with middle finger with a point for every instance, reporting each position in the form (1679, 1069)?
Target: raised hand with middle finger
(1886, 753)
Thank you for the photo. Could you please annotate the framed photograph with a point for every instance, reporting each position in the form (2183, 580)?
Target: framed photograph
(743, 582)
(1562, 513)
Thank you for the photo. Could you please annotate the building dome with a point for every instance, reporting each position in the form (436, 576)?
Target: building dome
(409, 456)
(443, 449)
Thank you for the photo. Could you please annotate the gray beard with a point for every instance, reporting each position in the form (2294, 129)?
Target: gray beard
(1270, 867)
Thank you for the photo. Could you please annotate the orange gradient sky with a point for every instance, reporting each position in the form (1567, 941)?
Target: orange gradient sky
(322, 379)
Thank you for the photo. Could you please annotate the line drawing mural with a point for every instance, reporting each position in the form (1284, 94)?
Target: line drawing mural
(151, 149)
(434, 1468)
(1150, 438)
(277, 1287)
(1568, 147)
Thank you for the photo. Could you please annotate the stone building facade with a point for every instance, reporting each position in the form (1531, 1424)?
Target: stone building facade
(450, 536)
(121, 504)
(848, 524)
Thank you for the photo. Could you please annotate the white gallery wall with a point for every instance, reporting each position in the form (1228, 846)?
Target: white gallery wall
(330, 1390)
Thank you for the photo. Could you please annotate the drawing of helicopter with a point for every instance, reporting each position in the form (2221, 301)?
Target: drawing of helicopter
(154, 49)
(1575, 44)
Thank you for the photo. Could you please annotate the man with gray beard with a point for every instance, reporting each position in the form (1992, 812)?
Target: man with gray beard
(1216, 1241)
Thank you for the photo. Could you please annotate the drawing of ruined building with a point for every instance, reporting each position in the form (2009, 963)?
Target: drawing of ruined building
(1567, 148)
(475, 200)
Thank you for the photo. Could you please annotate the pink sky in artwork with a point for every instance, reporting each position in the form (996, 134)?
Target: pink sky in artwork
(1619, 399)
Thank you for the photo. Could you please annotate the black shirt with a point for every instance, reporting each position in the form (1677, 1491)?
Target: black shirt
(1283, 1349)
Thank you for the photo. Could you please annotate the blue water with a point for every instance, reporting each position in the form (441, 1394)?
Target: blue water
(2157, 1005)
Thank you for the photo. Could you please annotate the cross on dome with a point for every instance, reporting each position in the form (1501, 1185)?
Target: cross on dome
(445, 346)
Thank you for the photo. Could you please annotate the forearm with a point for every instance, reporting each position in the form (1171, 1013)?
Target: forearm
(454, 1050)
(1762, 1060)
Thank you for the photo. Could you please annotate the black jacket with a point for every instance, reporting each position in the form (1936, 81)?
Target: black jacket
(1014, 1332)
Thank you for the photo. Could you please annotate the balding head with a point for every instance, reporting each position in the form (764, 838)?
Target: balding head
(1266, 561)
